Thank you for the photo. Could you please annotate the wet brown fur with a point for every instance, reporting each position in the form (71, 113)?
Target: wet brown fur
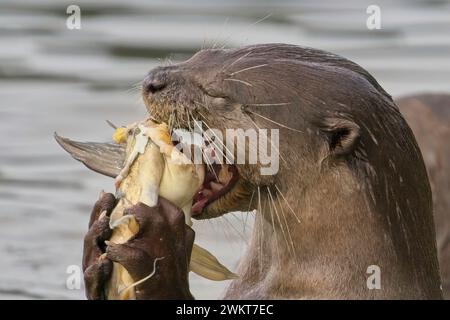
(429, 118)
(353, 172)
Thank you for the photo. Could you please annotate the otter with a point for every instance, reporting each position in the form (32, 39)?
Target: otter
(428, 115)
(351, 194)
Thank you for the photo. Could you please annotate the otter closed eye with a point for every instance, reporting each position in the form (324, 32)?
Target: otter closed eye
(218, 102)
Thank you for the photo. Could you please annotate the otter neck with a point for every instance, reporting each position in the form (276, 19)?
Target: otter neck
(328, 253)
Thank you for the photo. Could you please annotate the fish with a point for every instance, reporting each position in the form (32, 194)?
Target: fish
(145, 165)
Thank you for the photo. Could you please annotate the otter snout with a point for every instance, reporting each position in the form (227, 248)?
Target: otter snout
(155, 81)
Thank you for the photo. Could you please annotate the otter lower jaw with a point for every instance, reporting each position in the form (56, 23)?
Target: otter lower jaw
(219, 180)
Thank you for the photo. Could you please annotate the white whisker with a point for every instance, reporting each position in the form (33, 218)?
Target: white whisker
(261, 233)
(278, 218)
(249, 68)
(287, 203)
(270, 120)
(288, 231)
(267, 104)
(237, 60)
(267, 16)
(240, 220)
(227, 151)
(234, 228)
(274, 232)
(215, 43)
(240, 81)
(208, 163)
(248, 209)
(278, 150)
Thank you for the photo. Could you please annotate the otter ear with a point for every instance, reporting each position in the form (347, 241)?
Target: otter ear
(342, 135)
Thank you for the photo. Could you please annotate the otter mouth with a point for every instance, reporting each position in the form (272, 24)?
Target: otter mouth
(107, 159)
(219, 180)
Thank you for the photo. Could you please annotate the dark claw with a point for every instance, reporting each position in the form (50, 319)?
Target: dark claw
(129, 257)
(162, 234)
(95, 277)
(106, 203)
(99, 230)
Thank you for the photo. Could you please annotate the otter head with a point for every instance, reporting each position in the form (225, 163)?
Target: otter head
(287, 99)
(292, 108)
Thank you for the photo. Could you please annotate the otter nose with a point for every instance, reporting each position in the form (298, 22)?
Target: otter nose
(153, 83)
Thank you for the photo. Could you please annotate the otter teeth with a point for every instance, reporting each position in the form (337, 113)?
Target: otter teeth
(216, 186)
(207, 193)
